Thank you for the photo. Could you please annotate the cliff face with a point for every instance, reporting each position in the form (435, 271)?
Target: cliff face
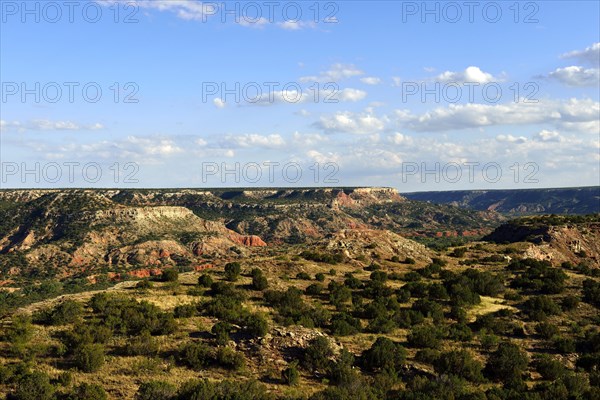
(583, 200)
(557, 241)
(82, 229)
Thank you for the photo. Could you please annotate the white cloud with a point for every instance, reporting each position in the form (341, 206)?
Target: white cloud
(577, 76)
(308, 139)
(590, 55)
(511, 139)
(352, 95)
(152, 146)
(336, 73)
(371, 80)
(349, 122)
(400, 139)
(252, 23)
(47, 125)
(573, 114)
(219, 103)
(470, 74)
(296, 25)
(302, 113)
(548, 136)
(253, 141)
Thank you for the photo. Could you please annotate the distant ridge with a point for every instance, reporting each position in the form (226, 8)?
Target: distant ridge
(575, 200)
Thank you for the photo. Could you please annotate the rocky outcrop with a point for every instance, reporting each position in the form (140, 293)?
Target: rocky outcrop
(361, 243)
(249, 240)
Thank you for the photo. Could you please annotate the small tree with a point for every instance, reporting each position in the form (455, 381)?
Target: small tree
(170, 275)
(384, 354)
(34, 386)
(66, 312)
(290, 375)
(427, 336)
(232, 271)
(257, 325)
(205, 280)
(87, 391)
(156, 390)
(221, 330)
(259, 282)
(507, 363)
(317, 354)
(459, 363)
(89, 357)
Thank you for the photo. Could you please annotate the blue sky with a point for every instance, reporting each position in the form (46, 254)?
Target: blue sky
(373, 59)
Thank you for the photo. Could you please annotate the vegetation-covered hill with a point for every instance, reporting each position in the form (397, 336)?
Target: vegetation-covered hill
(174, 295)
(581, 200)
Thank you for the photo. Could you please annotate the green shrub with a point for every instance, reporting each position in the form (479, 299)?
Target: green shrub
(229, 358)
(427, 336)
(67, 312)
(170, 275)
(256, 325)
(205, 280)
(232, 271)
(290, 375)
(507, 363)
(260, 282)
(35, 385)
(314, 289)
(303, 276)
(141, 345)
(185, 311)
(549, 368)
(156, 390)
(89, 357)
(591, 292)
(320, 277)
(196, 355)
(459, 363)
(87, 391)
(317, 354)
(384, 354)
(539, 307)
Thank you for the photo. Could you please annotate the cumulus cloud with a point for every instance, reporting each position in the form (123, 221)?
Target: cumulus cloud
(351, 95)
(335, 73)
(348, 122)
(219, 103)
(470, 74)
(547, 136)
(47, 125)
(296, 25)
(371, 80)
(511, 139)
(400, 139)
(573, 114)
(253, 141)
(590, 55)
(576, 76)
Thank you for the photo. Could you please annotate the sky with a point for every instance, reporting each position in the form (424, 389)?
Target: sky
(418, 96)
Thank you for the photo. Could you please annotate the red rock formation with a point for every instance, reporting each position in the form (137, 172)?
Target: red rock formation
(202, 267)
(250, 240)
